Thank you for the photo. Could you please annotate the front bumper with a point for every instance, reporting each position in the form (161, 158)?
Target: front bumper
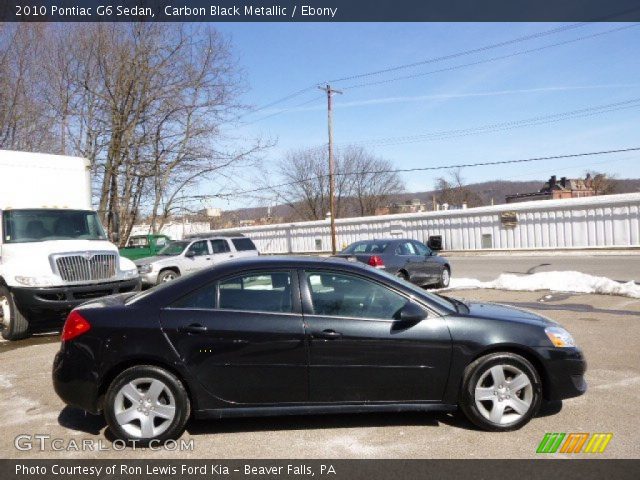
(50, 303)
(149, 279)
(564, 372)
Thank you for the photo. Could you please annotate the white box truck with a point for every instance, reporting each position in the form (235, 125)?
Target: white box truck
(54, 253)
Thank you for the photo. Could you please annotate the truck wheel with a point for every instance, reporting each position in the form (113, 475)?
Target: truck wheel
(167, 276)
(14, 325)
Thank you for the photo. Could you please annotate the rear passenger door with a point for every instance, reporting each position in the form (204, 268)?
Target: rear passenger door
(243, 338)
(221, 250)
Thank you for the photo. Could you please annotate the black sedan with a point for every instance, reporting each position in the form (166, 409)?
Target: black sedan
(269, 336)
(405, 258)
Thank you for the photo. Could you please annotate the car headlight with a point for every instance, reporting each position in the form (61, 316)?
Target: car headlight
(43, 281)
(559, 337)
(146, 268)
(130, 273)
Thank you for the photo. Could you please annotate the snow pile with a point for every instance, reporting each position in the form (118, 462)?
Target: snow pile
(567, 281)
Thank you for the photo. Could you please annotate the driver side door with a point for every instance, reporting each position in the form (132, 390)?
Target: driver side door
(197, 256)
(358, 349)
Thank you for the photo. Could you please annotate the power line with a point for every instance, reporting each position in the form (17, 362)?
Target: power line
(487, 60)
(293, 107)
(427, 61)
(420, 169)
(495, 127)
(464, 52)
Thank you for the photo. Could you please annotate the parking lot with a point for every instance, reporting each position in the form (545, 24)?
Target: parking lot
(606, 327)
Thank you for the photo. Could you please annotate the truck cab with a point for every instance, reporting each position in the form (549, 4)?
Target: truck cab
(54, 252)
(142, 246)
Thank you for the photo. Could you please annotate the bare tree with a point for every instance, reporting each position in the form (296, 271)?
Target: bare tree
(372, 181)
(145, 103)
(363, 182)
(601, 183)
(453, 191)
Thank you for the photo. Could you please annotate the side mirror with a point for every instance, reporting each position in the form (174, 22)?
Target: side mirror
(190, 254)
(411, 313)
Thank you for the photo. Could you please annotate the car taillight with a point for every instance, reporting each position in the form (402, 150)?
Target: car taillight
(75, 325)
(376, 261)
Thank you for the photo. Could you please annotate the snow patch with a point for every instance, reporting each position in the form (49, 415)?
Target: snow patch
(565, 281)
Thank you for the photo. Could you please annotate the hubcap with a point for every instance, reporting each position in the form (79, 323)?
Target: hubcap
(445, 277)
(5, 312)
(168, 277)
(503, 394)
(145, 407)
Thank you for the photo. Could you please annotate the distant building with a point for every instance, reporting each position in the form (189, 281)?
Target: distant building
(410, 206)
(555, 190)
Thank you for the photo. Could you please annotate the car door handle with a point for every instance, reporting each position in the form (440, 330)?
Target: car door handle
(194, 328)
(328, 334)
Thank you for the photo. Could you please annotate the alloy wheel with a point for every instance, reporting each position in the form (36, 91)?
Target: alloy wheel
(445, 277)
(5, 312)
(503, 394)
(145, 407)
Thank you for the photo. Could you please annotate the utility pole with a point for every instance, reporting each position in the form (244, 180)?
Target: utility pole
(332, 181)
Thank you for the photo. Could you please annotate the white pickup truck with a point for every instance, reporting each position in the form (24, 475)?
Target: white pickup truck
(54, 253)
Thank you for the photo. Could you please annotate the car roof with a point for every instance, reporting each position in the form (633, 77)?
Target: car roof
(209, 236)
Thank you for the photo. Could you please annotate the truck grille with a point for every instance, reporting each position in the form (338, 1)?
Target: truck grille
(85, 268)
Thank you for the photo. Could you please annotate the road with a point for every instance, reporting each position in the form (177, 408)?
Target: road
(622, 268)
(606, 327)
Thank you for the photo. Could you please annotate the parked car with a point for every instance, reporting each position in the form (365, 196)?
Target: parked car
(142, 246)
(285, 335)
(192, 254)
(408, 259)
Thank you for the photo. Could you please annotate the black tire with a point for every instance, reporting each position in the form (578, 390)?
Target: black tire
(182, 404)
(16, 327)
(512, 420)
(167, 276)
(445, 278)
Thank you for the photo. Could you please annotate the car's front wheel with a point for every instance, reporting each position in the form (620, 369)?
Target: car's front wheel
(501, 392)
(445, 278)
(13, 324)
(167, 276)
(146, 403)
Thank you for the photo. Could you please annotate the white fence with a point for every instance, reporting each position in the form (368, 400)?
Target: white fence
(592, 222)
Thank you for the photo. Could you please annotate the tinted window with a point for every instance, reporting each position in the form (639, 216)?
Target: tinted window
(243, 244)
(204, 297)
(220, 246)
(421, 248)
(337, 294)
(405, 248)
(199, 248)
(366, 247)
(264, 291)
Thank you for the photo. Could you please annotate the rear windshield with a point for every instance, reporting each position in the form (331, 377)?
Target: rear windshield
(366, 247)
(243, 244)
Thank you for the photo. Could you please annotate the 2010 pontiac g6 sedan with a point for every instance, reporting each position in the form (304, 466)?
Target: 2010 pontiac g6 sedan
(270, 336)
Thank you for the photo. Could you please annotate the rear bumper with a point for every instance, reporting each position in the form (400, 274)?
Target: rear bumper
(74, 379)
(564, 372)
(56, 302)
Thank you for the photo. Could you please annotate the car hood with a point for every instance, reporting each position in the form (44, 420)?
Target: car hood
(498, 311)
(154, 259)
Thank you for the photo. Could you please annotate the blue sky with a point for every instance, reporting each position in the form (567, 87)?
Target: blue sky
(279, 59)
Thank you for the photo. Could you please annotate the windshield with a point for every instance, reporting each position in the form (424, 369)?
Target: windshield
(23, 226)
(174, 248)
(443, 302)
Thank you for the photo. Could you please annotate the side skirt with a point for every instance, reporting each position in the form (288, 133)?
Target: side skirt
(322, 409)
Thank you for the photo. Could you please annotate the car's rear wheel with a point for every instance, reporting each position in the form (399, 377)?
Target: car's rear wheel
(146, 403)
(167, 276)
(501, 392)
(13, 324)
(445, 278)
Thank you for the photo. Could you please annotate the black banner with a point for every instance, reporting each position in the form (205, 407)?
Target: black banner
(319, 469)
(320, 10)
